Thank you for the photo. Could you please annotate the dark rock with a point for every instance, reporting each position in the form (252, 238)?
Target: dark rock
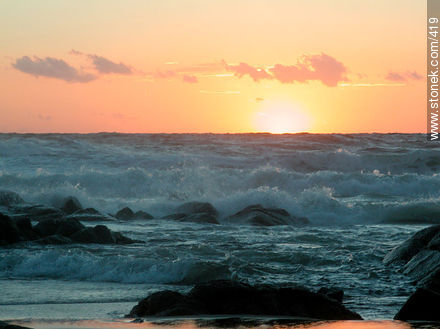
(5, 325)
(9, 232)
(70, 205)
(89, 214)
(125, 214)
(195, 218)
(37, 212)
(9, 198)
(65, 227)
(54, 239)
(142, 215)
(196, 207)
(102, 235)
(408, 249)
(260, 216)
(333, 293)
(24, 225)
(229, 297)
(421, 305)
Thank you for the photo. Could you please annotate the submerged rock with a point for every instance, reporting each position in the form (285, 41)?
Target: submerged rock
(260, 216)
(230, 297)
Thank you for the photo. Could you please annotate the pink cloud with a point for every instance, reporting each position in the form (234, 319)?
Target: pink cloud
(190, 79)
(320, 67)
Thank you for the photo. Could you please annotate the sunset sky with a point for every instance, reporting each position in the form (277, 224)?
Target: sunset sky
(213, 66)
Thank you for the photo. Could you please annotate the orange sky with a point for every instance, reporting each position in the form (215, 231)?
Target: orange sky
(213, 66)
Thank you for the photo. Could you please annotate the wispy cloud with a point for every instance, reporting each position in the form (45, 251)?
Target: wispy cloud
(227, 92)
(52, 68)
(189, 79)
(406, 76)
(104, 65)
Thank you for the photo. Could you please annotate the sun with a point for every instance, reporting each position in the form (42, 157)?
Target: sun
(281, 118)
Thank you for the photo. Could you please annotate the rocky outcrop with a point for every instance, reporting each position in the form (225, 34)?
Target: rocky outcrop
(422, 305)
(5, 325)
(196, 212)
(128, 214)
(70, 205)
(195, 207)
(260, 216)
(89, 215)
(57, 231)
(419, 258)
(236, 298)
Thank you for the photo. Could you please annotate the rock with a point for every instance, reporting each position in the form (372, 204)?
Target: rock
(70, 205)
(142, 215)
(408, 249)
(422, 305)
(89, 215)
(9, 232)
(195, 218)
(100, 234)
(422, 264)
(195, 212)
(260, 216)
(128, 214)
(333, 293)
(125, 214)
(25, 227)
(196, 207)
(37, 212)
(230, 297)
(9, 198)
(64, 227)
(54, 239)
(5, 325)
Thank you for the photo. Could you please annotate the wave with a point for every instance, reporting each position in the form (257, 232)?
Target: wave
(329, 178)
(89, 266)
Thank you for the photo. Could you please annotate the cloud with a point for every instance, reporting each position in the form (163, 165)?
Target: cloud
(320, 67)
(243, 69)
(409, 75)
(189, 79)
(106, 66)
(52, 68)
(393, 76)
(164, 74)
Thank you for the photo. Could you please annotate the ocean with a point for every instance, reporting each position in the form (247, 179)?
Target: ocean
(362, 193)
